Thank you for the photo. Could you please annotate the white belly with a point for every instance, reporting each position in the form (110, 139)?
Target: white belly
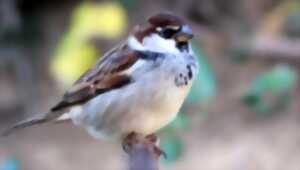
(140, 107)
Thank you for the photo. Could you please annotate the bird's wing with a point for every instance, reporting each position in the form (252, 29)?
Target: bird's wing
(107, 74)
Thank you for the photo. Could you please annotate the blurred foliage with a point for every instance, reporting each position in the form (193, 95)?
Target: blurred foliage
(10, 164)
(68, 65)
(173, 147)
(75, 53)
(269, 92)
(108, 20)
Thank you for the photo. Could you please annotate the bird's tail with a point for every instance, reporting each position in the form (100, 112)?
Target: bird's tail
(39, 119)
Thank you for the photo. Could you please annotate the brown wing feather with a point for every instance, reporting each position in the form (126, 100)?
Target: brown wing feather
(106, 75)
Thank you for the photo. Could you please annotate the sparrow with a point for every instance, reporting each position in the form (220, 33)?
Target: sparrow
(137, 87)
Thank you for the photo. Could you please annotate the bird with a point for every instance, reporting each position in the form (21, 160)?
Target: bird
(135, 88)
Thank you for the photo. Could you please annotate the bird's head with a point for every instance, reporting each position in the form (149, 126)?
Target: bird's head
(166, 33)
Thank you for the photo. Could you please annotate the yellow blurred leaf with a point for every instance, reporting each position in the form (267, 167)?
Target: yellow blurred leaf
(70, 64)
(90, 20)
(108, 20)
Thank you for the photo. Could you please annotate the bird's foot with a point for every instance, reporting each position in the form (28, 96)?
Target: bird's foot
(154, 140)
(129, 141)
(151, 142)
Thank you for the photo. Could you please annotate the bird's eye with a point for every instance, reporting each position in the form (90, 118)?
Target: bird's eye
(167, 33)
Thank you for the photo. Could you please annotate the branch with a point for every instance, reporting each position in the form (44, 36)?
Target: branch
(142, 157)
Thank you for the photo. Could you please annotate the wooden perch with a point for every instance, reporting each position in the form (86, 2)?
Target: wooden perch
(141, 157)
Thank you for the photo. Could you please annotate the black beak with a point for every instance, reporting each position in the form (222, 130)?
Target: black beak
(184, 35)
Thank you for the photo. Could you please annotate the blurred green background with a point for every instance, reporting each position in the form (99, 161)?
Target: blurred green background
(243, 112)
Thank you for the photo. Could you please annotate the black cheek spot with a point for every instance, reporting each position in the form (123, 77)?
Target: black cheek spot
(180, 75)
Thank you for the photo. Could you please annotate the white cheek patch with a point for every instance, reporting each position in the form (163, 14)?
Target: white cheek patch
(158, 44)
(154, 43)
